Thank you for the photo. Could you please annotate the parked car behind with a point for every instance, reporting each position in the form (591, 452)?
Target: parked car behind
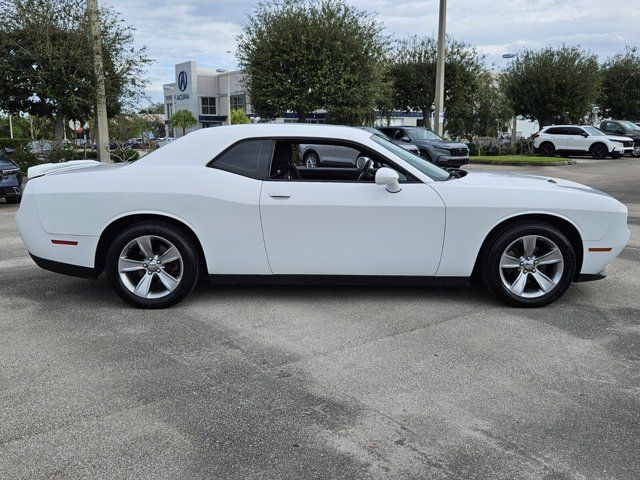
(624, 128)
(432, 146)
(580, 140)
(10, 177)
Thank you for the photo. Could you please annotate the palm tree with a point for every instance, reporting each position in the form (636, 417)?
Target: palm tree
(183, 119)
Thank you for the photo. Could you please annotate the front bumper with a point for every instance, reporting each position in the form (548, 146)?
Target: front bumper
(454, 162)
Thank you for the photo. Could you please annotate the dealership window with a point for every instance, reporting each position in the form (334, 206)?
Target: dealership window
(208, 105)
(238, 102)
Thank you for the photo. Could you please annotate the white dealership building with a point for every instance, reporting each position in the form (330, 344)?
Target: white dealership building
(204, 93)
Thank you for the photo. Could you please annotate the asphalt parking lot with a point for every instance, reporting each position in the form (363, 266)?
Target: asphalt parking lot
(315, 382)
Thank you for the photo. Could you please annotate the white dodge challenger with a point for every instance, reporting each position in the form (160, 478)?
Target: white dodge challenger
(237, 204)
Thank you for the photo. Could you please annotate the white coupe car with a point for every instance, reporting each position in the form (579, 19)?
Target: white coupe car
(237, 204)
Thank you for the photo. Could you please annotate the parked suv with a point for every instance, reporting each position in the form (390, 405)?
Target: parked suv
(432, 147)
(625, 128)
(10, 178)
(578, 140)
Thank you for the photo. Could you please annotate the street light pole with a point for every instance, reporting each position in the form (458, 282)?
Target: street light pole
(101, 95)
(228, 97)
(439, 97)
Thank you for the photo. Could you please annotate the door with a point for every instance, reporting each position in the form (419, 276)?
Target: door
(558, 137)
(576, 139)
(324, 227)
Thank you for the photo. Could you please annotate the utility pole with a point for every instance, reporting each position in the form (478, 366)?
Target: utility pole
(442, 37)
(10, 127)
(101, 96)
(228, 97)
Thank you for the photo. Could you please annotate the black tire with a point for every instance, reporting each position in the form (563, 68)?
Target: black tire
(311, 159)
(598, 151)
(547, 149)
(180, 239)
(501, 240)
(13, 200)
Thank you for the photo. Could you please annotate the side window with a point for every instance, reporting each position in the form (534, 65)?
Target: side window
(249, 159)
(327, 161)
(574, 131)
(553, 131)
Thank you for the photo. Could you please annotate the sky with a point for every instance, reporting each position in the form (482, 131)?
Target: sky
(205, 30)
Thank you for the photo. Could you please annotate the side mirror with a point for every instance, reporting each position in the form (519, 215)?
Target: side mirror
(406, 139)
(584, 134)
(389, 178)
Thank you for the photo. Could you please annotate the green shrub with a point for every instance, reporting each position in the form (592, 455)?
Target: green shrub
(124, 155)
(473, 150)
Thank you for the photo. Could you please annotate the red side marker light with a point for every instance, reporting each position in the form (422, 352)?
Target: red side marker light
(600, 249)
(64, 242)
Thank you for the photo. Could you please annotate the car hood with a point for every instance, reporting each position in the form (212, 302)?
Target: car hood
(441, 144)
(524, 182)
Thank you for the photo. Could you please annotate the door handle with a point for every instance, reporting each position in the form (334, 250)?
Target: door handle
(283, 196)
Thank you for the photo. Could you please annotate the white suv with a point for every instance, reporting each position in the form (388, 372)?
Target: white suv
(572, 139)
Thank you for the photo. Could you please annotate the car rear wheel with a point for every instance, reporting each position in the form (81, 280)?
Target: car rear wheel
(152, 265)
(599, 151)
(530, 264)
(547, 150)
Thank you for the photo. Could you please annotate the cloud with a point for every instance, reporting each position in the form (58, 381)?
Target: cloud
(203, 30)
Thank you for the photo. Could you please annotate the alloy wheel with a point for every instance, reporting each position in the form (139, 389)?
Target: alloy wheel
(311, 160)
(150, 266)
(531, 266)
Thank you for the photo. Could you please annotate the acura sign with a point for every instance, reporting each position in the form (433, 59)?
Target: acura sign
(182, 81)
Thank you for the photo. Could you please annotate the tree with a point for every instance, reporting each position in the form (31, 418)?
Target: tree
(183, 119)
(45, 63)
(238, 116)
(413, 74)
(304, 56)
(491, 112)
(553, 85)
(157, 107)
(620, 96)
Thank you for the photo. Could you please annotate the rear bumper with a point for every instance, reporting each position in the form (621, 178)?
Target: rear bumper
(65, 268)
(13, 191)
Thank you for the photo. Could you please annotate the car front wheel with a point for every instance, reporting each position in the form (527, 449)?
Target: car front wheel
(152, 265)
(599, 151)
(530, 264)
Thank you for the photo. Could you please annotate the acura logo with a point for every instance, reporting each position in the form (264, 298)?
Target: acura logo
(182, 81)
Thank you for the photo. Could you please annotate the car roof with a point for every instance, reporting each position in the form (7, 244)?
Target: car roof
(200, 146)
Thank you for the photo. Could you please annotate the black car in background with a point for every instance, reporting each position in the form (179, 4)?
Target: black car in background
(432, 147)
(10, 177)
(623, 128)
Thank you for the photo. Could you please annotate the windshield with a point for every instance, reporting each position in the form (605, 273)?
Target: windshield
(594, 131)
(419, 133)
(428, 168)
(630, 126)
